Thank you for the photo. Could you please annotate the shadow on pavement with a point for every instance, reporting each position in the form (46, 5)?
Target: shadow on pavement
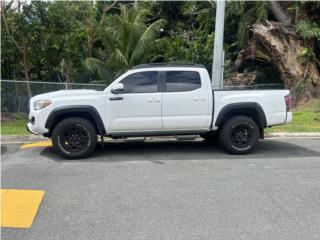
(3, 149)
(184, 150)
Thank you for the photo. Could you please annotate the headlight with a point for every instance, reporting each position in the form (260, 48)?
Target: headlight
(41, 104)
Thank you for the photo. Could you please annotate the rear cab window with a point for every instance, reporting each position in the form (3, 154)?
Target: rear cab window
(182, 81)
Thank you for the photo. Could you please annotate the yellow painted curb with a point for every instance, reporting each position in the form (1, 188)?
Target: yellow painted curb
(37, 144)
(19, 207)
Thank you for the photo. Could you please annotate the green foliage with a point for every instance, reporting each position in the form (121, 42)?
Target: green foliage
(191, 38)
(127, 39)
(246, 14)
(308, 29)
(305, 55)
(53, 36)
(99, 70)
(76, 41)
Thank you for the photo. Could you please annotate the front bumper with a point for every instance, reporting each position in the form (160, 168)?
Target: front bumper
(37, 119)
(36, 129)
(29, 129)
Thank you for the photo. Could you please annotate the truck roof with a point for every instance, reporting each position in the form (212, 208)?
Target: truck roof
(162, 65)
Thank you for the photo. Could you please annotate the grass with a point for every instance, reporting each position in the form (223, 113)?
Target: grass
(15, 125)
(305, 119)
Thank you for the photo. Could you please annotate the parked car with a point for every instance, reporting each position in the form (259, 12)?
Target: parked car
(157, 100)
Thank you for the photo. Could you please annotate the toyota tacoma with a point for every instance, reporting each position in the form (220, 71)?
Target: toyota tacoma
(158, 100)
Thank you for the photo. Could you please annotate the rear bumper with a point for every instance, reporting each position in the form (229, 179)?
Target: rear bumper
(288, 118)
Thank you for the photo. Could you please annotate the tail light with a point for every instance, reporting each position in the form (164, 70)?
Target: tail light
(289, 101)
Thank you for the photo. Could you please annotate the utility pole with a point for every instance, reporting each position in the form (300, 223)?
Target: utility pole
(218, 55)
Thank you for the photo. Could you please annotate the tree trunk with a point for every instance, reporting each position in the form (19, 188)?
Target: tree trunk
(279, 12)
(26, 70)
(21, 49)
(90, 36)
(278, 44)
(16, 88)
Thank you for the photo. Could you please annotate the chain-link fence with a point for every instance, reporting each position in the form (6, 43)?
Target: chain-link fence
(15, 97)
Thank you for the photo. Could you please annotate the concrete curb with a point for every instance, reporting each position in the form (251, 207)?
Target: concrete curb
(293, 134)
(21, 138)
(34, 138)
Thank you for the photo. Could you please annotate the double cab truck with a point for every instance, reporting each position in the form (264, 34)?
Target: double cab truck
(158, 100)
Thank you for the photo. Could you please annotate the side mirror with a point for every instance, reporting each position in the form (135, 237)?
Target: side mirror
(117, 88)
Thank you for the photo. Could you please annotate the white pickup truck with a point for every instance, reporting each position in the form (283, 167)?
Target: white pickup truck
(157, 100)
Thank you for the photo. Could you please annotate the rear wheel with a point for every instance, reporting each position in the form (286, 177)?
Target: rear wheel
(74, 138)
(239, 135)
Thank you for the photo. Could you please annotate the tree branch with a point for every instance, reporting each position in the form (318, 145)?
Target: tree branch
(8, 31)
(105, 10)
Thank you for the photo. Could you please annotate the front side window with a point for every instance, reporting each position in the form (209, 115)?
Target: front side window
(142, 82)
(182, 81)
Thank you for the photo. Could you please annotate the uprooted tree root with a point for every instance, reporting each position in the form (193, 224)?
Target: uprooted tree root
(278, 44)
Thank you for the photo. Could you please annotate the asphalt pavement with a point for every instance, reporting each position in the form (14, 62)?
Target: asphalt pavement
(176, 190)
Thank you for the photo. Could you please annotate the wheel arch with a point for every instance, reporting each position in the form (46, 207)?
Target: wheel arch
(249, 109)
(84, 111)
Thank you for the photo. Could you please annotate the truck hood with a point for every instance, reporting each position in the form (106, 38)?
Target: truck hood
(66, 94)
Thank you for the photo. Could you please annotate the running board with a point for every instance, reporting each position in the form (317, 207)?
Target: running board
(185, 137)
(135, 139)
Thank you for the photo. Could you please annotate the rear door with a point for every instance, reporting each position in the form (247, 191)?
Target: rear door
(185, 101)
(138, 107)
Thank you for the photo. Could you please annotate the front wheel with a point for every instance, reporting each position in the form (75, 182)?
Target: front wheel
(239, 135)
(74, 138)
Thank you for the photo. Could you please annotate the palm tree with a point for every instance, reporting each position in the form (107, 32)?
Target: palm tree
(128, 41)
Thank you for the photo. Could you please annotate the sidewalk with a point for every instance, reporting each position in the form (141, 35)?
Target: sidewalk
(36, 138)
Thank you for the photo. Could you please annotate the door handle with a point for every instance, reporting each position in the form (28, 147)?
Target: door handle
(116, 98)
(196, 99)
(153, 99)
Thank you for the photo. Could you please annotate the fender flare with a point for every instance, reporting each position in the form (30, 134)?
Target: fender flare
(78, 109)
(242, 106)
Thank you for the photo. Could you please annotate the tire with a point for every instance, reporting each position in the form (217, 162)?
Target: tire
(74, 138)
(239, 135)
(211, 137)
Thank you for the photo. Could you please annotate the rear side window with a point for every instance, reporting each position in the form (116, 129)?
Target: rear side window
(142, 82)
(182, 81)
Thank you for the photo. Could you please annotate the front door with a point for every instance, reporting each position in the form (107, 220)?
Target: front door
(138, 107)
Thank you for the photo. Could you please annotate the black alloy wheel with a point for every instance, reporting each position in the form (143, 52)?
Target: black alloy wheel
(74, 138)
(239, 135)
